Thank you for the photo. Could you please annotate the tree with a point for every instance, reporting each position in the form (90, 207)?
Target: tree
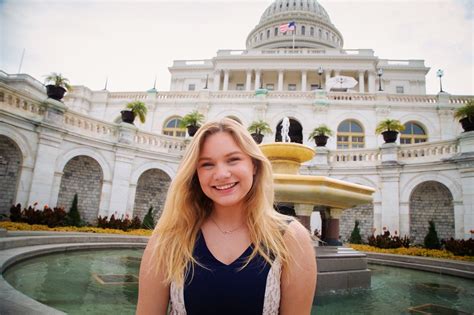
(73, 216)
(148, 220)
(355, 235)
(431, 239)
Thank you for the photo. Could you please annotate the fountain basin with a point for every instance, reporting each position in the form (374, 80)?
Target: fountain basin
(286, 157)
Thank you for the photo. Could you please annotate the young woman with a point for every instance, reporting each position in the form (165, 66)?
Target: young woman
(219, 246)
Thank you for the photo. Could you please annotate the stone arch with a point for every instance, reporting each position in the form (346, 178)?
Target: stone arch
(97, 156)
(10, 167)
(232, 114)
(82, 175)
(409, 185)
(22, 144)
(363, 213)
(431, 200)
(152, 187)
(423, 121)
(361, 119)
(295, 133)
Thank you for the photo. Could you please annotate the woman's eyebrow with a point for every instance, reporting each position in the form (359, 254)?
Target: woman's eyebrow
(228, 154)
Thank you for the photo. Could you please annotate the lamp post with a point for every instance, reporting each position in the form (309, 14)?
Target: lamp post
(320, 72)
(440, 74)
(380, 73)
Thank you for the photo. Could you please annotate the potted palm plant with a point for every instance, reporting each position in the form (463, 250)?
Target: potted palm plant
(465, 114)
(258, 128)
(320, 135)
(134, 109)
(389, 128)
(57, 87)
(192, 122)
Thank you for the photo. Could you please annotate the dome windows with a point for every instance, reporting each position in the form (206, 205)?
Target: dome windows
(303, 30)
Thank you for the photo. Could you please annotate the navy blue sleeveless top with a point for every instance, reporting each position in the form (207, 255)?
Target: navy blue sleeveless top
(224, 289)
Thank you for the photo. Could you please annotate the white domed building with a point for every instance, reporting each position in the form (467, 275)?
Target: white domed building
(50, 151)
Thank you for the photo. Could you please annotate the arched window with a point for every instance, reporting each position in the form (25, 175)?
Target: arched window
(350, 135)
(261, 36)
(268, 33)
(311, 31)
(413, 133)
(172, 128)
(303, 30)
(320, 33)
(276, 31)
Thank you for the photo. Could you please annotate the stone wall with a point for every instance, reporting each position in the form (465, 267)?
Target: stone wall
(10, 161)
(365, 215)
(82, 175)
(431, 201)
(152, 188)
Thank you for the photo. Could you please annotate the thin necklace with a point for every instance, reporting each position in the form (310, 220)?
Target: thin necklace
(226, 232)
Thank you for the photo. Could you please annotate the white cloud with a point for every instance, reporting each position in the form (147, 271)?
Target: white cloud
(132, 41)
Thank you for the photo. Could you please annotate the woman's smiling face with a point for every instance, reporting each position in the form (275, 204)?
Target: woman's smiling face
(225, 172)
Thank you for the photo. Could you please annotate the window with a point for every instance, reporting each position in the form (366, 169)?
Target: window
(303, 30)
(350, 135)
(172, 128)
(268, 33)
(261, 36)
(327, 35)
(413, 133)
(400, 90)
(240, 87)
(311, 31)
(320, 33)
(276, 31)
(291, 87)
(270, 86)
(314, 87)
(191, 87)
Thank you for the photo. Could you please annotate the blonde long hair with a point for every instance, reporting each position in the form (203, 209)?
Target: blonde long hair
(187, 207)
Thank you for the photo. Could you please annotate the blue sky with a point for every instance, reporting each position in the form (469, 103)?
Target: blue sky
(131, 42)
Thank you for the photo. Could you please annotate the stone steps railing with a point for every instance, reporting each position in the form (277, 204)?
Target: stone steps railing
(11, 100)
(428, 150)
(359, 156)
(156, 142)
(83, 123)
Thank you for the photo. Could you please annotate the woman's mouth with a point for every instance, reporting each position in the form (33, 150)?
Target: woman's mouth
(225, 187)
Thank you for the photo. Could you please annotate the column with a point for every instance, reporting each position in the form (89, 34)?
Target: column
(327, 76)
(248, 81)
(464, 218)
(43, 172)
(303, 80)
(390, 187)
(303, 212)
(226, 80)
(280, 80)
(257, 78)
(217, 80)
(332, 227)
(337, 73)
(361, 82)
(120, 183)
(371, 82)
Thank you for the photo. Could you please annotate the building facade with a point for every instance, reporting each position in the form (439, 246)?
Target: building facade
(51, 150)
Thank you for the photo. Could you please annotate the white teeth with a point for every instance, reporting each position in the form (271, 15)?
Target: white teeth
(225, 186)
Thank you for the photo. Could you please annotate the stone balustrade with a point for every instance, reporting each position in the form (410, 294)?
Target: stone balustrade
(128, 95)
(12, 100)
(343, 96)
(459, 99)
(402, 98)
(358, 156)
(428, 150)
(161, 143)
(177, 95)
(86, 124)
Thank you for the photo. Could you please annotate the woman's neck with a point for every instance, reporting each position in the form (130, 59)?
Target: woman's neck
(228, 215)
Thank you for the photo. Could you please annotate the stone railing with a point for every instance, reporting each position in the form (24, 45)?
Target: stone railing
(428, 150)
(350, 156)
(85, 124)
(401, 98)
(177, 95)
(460, 99)
(341, 96)
(232, 94)
(161, 143)
(13, 101)
(128, 95)
(297, 51)
(290, 94)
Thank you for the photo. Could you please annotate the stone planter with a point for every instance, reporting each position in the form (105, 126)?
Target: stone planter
(257, 137)
(467, 124)
(390, 136)
(55, 92)
(192, 129)
(321, 140)
(127, 116)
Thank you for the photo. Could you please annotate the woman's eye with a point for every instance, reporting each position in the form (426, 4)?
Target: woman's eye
(233, 160)
(207, 165)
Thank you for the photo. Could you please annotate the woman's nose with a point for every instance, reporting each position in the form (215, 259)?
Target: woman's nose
(222, 172)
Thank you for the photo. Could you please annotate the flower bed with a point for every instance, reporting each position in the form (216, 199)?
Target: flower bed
(16, 226)
(412, 251)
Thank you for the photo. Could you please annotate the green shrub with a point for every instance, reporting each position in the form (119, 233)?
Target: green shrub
(15, 213)
(148, 220)
(431, 239)
(73, 216)
(459, 247)
(355, 237)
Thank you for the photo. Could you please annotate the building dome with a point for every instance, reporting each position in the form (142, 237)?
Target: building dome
(313, 27)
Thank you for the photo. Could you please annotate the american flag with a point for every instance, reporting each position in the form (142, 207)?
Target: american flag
(288, 27)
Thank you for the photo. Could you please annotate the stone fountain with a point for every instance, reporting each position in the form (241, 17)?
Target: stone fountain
(338, 267)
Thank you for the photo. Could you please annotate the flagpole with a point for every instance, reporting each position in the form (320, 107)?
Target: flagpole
(21, 60)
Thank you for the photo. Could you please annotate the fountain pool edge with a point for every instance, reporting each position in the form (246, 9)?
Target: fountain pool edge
(13, 301)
